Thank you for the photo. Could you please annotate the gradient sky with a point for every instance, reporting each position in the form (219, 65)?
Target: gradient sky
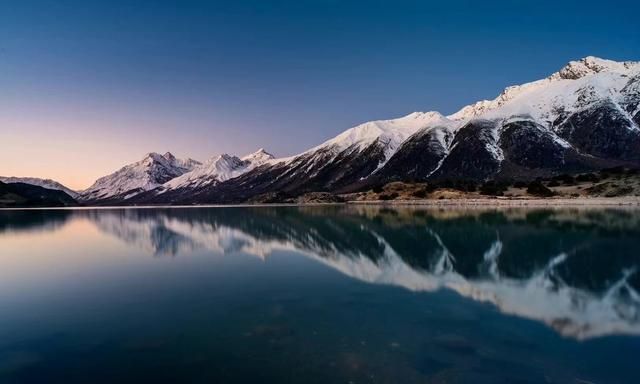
(87, 86)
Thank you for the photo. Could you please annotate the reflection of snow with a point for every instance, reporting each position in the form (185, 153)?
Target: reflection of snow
(446, 259)
(543, 296)
(572, 312)
(163, 235)
(491, 259)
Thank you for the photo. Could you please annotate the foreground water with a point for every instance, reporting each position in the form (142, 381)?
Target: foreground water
(319, 295)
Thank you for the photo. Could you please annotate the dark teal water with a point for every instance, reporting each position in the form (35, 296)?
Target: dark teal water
(319, 295)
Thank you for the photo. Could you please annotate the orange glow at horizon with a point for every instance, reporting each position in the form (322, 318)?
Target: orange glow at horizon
(74, 157)
(74, 162)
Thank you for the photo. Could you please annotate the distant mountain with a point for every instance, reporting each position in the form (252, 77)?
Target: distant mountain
(213, 171)
(45, 183)
(149, 173)
(584, 117)
(28, 195)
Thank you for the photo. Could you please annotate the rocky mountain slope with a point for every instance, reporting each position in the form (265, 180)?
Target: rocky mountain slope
(14, 195)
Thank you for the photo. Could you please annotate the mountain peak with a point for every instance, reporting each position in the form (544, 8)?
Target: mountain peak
(430, 118)
(423, 115)
(261, 155)
(169, 156)
(226, 157)
(155, 156)
(600, 75)
(590, 65)
(217, 169)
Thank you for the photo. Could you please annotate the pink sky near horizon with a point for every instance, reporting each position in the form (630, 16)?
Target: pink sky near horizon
(73, 160)
(75, 146)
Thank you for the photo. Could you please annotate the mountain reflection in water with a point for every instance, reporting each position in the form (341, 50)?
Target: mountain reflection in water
(574, 270)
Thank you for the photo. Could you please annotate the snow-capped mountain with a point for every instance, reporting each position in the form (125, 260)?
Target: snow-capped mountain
(574, 87)
(217, 169)
(44, 183)
(388, 135)
(336, 164)
(149, 173)
(584, 117)
(581, 118)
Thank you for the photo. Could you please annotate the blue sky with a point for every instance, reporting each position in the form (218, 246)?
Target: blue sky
(90, 85)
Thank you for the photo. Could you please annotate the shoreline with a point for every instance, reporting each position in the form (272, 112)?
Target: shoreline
(498, 202)
(511, 202)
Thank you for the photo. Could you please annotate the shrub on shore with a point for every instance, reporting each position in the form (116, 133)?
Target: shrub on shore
(389, 196)
(536, 188)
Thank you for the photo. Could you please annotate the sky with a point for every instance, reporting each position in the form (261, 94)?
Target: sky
(88, 86)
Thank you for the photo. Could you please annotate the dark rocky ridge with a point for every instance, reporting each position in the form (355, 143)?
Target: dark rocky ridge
(27, 195)
(418, 157)
(602, 131)
(470, 156)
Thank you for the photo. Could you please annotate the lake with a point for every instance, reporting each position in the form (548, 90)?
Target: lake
(333, 294)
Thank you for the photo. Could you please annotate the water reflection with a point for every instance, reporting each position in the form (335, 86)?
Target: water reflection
(32, 220)
(574, 270)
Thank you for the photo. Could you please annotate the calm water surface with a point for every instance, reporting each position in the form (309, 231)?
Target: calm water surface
(319, 295)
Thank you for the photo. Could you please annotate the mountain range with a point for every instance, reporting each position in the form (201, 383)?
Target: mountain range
(584, 117)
